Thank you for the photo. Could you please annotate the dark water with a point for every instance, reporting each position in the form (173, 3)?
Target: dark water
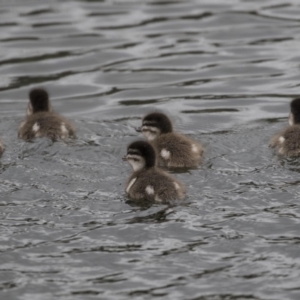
(225, 71)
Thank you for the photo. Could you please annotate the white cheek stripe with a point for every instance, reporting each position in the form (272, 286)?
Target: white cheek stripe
(145, 127)
(130, 184)
(149, 135)
(132, 156)
(136, 165)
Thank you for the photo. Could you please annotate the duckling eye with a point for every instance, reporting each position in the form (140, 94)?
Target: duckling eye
(136, 159)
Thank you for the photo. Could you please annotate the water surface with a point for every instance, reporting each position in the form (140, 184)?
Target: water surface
(225, 71)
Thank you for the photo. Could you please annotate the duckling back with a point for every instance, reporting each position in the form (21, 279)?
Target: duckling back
(154, 185)
(172, 149)
(176, 150)
(46, 124)
(287, 142)
(41, 121)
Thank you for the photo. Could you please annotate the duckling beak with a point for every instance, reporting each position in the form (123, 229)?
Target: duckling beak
(138, 129)
(124, 158)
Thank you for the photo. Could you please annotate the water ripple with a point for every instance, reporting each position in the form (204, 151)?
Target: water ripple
(225, 73)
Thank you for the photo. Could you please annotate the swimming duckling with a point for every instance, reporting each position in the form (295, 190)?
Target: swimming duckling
(173, 149)
(41, 121)
(2, 148)
(287, 142)
(147, 181)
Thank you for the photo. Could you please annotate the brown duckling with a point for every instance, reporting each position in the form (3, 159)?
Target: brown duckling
(287, 142)
(2, 147)
(147, 181)
(41, 121)
(173, 149)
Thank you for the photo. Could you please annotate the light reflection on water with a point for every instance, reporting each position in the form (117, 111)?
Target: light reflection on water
(225, 73)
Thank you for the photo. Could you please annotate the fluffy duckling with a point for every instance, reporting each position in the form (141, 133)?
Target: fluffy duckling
(147, 181)
(1, 147)
(173, 149)
(287, 142)
(41, 121)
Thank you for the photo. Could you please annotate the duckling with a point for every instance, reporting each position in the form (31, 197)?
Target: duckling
(173, 149)
(2, 148)
(41, 121)
(148, 182)
(287, 142)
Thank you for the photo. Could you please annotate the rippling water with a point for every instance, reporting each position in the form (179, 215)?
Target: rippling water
(225, 71)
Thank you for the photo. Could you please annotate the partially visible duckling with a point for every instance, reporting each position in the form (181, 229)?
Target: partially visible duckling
(2, 148)
(147, 181)
(41, 121)
(287, 142)
(173, 149)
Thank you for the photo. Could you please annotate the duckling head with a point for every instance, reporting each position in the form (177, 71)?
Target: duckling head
(39, 101)
(140, 154)
(294, 117)
(155, 124)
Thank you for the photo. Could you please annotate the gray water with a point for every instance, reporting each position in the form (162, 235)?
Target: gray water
(225, 71)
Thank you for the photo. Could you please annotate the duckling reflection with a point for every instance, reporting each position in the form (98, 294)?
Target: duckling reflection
(147, 181)
(41, 121)
(173, 149)
(287, 142)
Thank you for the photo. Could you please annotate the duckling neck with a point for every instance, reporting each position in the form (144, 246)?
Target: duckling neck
(149, 164)
(166, 131)
(143, 170)
(36, 111)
